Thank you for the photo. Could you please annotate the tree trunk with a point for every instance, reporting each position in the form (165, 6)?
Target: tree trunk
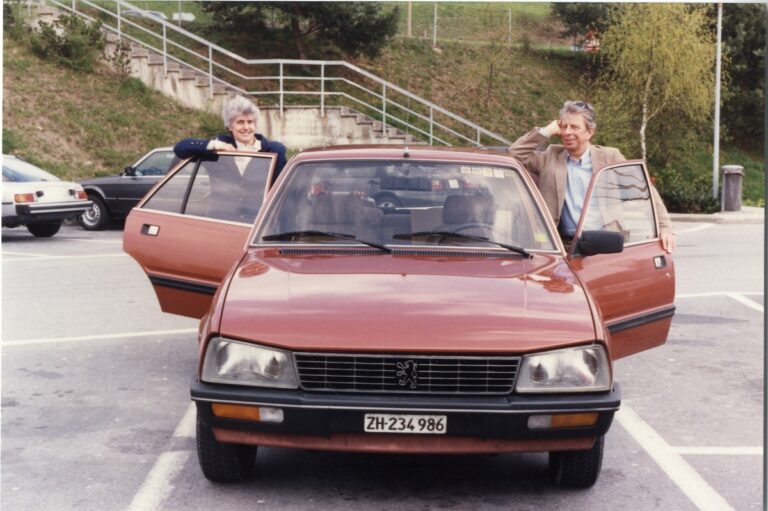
(298, 37)
(644, 122)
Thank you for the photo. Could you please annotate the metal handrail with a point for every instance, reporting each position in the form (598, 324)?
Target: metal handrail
(382, 104)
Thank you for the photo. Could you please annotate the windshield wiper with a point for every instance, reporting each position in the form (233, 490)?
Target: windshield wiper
(452, 234)
(282, 236)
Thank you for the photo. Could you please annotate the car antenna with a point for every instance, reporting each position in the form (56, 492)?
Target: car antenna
(406, 154)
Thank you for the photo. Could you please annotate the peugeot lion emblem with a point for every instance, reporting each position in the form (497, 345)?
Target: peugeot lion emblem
(406, 374)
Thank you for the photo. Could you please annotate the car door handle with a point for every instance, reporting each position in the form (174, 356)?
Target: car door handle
(150, 230)
(660, 262)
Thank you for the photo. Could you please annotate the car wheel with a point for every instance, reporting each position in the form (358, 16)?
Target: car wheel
(578, 469)
(44, 230)
(387, 200)
(223, 463)
(96, 217)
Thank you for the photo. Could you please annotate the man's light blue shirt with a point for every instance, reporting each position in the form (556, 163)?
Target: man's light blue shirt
(579, 175)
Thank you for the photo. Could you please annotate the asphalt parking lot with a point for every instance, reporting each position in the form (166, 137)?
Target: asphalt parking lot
(96, 411)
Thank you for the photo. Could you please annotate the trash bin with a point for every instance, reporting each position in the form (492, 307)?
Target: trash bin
(732, 176)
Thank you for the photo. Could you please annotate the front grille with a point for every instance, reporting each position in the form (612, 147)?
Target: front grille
(412, 374)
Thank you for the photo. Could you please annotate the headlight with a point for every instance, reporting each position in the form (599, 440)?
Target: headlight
(580, 369)
(242, 363)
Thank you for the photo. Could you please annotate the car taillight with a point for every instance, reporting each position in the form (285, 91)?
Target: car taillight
(81, 195)
(24, 197)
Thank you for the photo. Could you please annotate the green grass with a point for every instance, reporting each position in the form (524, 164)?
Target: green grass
(77, 125)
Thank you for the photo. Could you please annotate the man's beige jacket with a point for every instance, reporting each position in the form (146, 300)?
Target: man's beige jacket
(548, 165)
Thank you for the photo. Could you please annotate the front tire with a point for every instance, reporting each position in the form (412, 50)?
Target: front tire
(96, 217)
(577, 469)
(44, 230)
(223, 463)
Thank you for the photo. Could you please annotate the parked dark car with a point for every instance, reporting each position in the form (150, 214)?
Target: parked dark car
(114, 196)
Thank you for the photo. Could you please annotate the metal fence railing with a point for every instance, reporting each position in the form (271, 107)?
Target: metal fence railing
(285, 82)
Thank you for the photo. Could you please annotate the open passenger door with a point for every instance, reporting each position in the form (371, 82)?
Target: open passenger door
(190, 229)
(635, 288)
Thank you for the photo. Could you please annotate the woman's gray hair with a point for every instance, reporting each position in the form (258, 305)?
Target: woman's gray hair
(580, 107)
(238, 106)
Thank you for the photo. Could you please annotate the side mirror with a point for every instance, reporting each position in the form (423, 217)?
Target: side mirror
(600, 242)
(129, 171)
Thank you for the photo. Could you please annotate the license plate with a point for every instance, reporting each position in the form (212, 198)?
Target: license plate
(416, 424)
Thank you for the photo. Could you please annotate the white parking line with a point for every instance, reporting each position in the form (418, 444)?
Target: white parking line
(694, 229)
(5, 253)
(715, 451)
(37, 257)
(746, 301)
(682, 474)
(159, 482)
(125, 335)
(740, 297)
(90, 240)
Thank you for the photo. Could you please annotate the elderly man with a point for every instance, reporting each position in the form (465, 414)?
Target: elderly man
(564, 171)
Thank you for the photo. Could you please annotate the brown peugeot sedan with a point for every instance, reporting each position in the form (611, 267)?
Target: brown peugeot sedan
(464, 325)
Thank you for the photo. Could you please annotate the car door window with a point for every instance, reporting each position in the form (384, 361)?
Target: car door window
(621, 202)
(220, 187)
(156, 164)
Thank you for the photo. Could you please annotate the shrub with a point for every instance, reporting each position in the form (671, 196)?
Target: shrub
(121, 60)
(70, 41)
(685, 191)
(12, 141)
(13, 20)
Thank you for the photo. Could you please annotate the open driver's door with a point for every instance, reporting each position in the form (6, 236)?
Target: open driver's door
(190, 229)
(634, 289)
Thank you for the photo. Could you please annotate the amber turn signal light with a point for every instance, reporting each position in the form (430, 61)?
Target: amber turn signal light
(24, 197)
(248, 413)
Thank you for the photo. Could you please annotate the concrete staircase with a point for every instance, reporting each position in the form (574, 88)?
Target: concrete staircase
(298, 127)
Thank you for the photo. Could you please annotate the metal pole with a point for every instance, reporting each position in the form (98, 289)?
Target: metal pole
(716, 152)
(165, 52)
(431, 124)
(179, 20)
(210, 71)
(410, 20)
(434, 27)
(281, 89)
(384, 105)
(119, 22)
(322, 90)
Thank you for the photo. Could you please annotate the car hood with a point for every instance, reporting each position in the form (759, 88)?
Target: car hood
(399, 303)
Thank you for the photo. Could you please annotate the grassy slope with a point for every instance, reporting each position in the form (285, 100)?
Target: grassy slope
(78, 125)
(522, 90)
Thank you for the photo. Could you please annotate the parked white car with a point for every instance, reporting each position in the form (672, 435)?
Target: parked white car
(38, 199)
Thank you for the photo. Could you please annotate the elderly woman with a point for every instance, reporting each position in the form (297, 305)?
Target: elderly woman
(239, 115)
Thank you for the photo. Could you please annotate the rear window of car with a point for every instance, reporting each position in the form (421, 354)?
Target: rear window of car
(396, 202)
(19, 171)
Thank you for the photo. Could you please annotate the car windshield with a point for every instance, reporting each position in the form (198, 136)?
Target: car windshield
(410, 203)
(19, 171)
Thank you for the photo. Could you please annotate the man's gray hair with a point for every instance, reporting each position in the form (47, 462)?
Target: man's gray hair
(580, 107)
(238, 106)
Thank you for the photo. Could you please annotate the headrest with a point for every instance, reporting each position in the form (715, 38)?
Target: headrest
(336, 209)
(468, 209)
